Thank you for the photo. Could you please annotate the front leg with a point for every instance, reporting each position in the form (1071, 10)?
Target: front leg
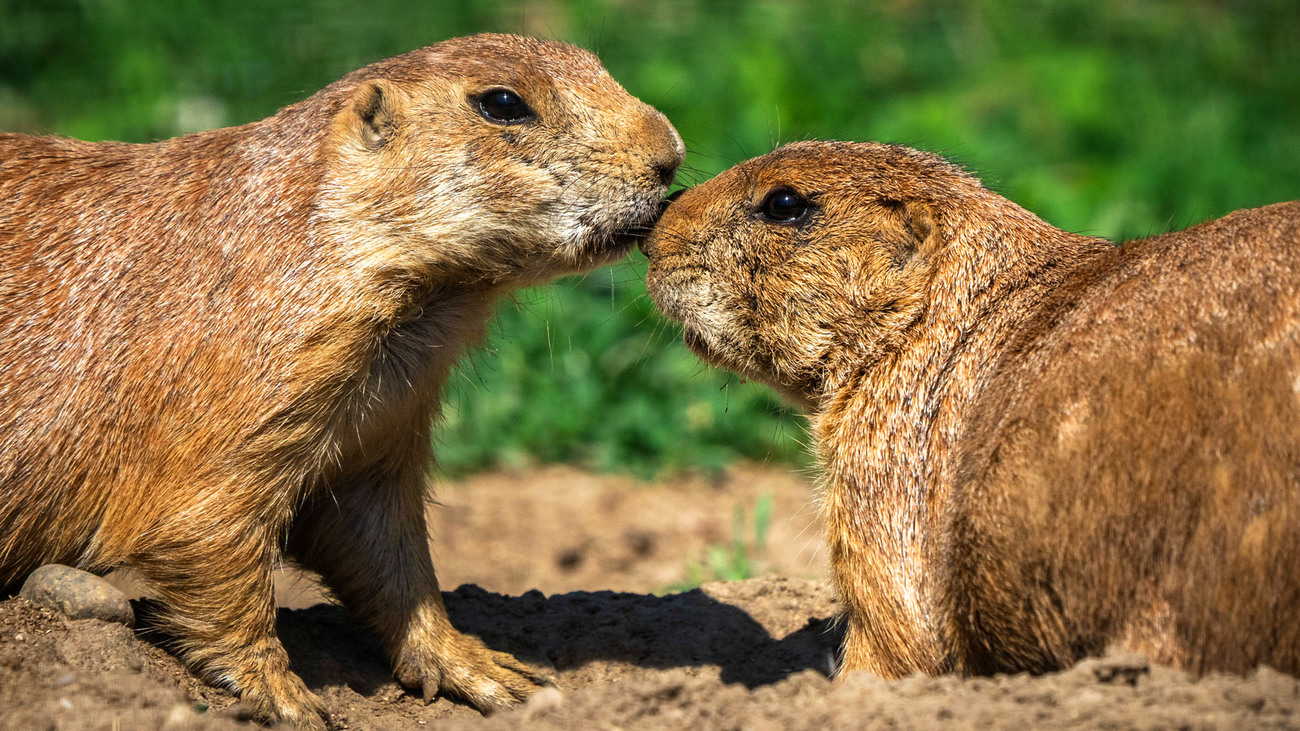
(367, 538)
(880, 569)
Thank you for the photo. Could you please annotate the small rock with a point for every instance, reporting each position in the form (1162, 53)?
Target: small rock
(181, 716)
(77, 594)
(543, 700)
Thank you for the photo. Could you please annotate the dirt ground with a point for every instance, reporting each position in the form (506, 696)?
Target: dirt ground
(568, 571)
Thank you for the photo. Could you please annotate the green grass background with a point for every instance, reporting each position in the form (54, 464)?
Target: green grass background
(1121, 118)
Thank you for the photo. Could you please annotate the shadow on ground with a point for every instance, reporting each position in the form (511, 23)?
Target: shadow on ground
(566, 633)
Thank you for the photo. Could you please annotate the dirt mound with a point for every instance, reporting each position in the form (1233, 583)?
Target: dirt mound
(57, 673)
(750, 654)
(745, 654)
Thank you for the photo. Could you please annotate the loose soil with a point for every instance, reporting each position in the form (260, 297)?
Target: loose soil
(568, 571)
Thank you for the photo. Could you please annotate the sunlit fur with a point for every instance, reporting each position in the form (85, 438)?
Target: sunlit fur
(226, 349)
(1035, 444)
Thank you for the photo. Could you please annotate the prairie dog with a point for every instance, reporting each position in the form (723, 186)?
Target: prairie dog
(226, 349)
(1035, 444)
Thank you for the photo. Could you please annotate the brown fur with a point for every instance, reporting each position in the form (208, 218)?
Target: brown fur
(226, 349)
(1035, 444)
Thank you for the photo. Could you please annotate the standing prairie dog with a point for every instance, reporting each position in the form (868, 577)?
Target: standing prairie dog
(226, 349)
(1035, 444)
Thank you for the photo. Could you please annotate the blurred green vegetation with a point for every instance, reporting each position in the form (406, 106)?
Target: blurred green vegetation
(1116, 117)
(741, 558)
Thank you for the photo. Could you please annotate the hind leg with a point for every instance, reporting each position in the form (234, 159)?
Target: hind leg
(368, 540)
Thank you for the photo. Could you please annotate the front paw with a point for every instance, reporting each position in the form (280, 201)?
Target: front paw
(281, 698)
(463, 668)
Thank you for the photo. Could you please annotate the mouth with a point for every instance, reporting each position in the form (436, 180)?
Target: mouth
(627, 239)
(617, 244)
(634, 234)
(729, 354)
(614, 247)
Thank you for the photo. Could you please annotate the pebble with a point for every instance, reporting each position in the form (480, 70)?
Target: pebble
(181, 716)
(77, 594)
(543, 700)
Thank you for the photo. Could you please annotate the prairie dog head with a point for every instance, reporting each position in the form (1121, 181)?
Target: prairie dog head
(505, 158)
(792, 266)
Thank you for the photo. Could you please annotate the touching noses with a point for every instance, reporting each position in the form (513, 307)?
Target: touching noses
(649, 244)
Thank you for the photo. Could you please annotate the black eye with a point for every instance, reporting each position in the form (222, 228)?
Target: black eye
(503, 106)
(783, 205)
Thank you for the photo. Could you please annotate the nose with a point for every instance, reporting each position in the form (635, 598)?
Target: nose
(665, 166)
(671, 152)
(667, 171)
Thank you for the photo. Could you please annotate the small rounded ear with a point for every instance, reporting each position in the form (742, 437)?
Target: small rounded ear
(913, 231)
(375, 114)
(921, 224)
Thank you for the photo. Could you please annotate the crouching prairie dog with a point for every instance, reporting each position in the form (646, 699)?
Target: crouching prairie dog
(226, 349)
(1035, 444)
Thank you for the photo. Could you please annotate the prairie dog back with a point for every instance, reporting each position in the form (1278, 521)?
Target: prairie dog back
(1149, 412)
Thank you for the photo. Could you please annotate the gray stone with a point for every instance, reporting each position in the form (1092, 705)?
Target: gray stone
(543, 700)
(78, 594)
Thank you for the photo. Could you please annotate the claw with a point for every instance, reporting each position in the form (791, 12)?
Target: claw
(464, 668)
